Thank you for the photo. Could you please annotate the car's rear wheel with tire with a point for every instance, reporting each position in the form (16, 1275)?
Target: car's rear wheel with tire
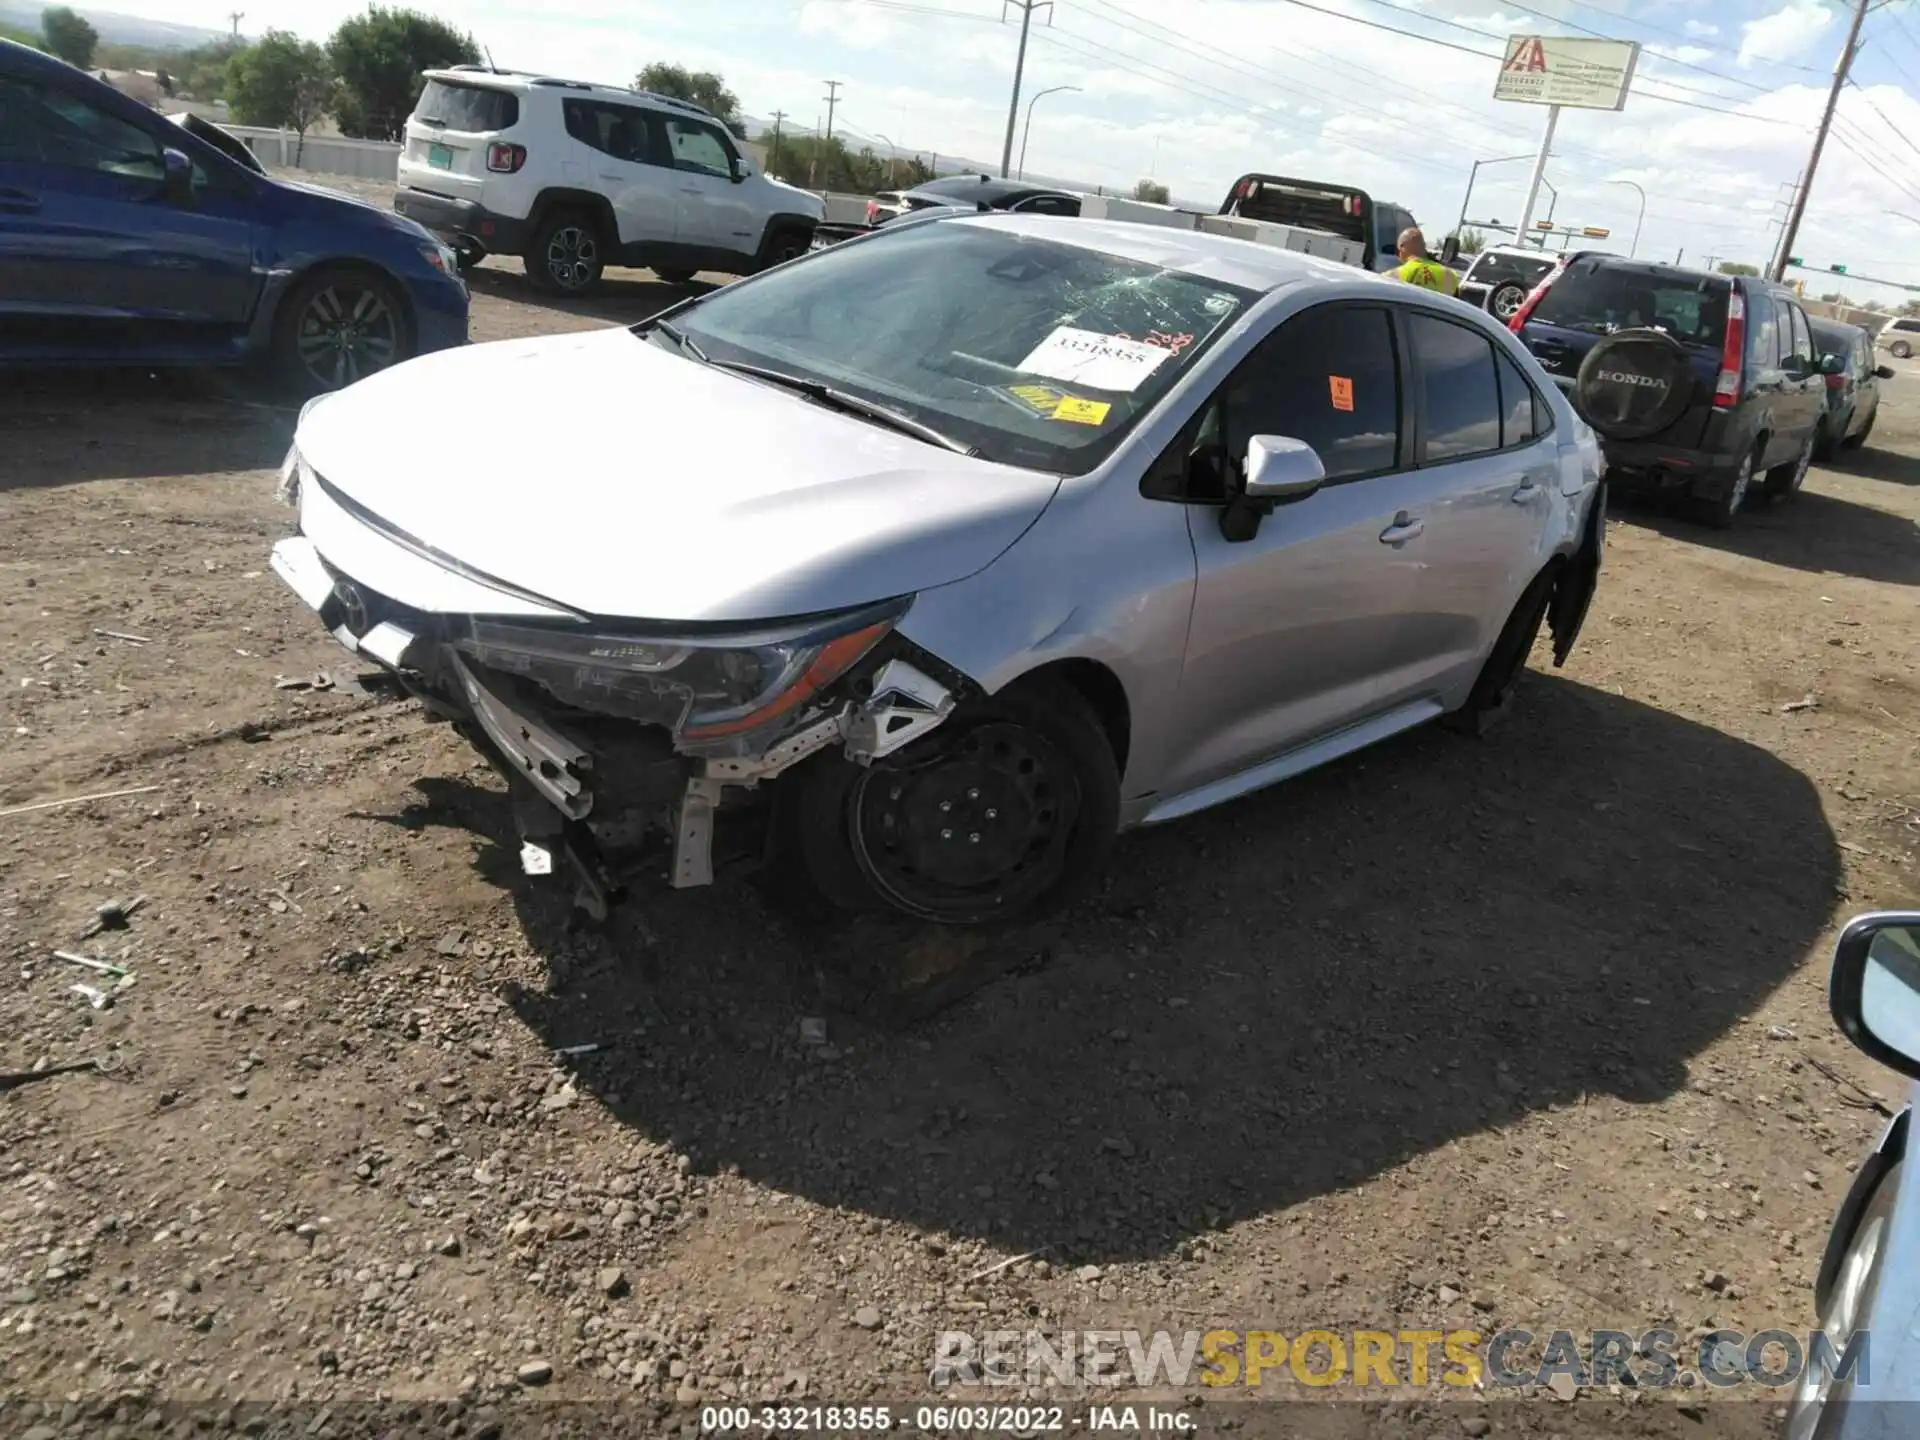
(1900, 350)
(339, 326)
(568, 254)
(1504, 663)
(1504, 301)
(1784, 481)
(1732, 499)
(674, 277)
(1008, 809)
(468, 256)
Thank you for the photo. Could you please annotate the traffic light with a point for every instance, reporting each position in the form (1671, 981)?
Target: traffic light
(1793, 259)
(1838, 269)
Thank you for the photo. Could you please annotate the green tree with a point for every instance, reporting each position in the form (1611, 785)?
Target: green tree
(379, 56)
(1833, 297)
(817, 164)
(1153, 192)
(696, 87)
(1472, 241)
(163, 80)
(1737, 267)
(69, 36)
(283, 80)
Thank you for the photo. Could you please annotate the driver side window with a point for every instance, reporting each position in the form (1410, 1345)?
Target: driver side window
(48, 125)
(1330, 376)
(698, 147)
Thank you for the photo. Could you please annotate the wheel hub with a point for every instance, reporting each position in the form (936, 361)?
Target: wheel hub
(978, 826)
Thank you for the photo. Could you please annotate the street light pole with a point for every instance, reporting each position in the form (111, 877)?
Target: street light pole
(893, 158)
(1473, 175)
(1634, 248)
(1028, 130)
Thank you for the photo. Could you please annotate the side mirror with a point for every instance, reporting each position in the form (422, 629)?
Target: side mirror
(1832, 365)
(1280, 469)
(178, 184)
(1450, 250)
(738, 169)
(1874, 988)
(1883, 372)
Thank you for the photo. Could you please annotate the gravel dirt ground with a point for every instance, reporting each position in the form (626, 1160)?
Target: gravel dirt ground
(1526, 1030)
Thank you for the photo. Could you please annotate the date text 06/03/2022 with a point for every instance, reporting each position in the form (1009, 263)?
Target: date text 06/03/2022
(940, 1419)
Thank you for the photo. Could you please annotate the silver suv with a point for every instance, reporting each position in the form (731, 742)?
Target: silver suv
(947, 584)
(575, 177)
(1900, 336)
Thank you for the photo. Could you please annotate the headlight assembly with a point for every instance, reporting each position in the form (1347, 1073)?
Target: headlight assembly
(705, 688)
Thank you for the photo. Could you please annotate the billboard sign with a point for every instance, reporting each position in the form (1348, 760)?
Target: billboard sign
(1566, 70)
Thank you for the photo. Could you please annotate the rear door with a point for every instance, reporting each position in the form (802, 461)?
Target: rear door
(622, 155)
(94, 255)
(1803, 390)
(448, 136)
(1596, 296)
(1491, 466)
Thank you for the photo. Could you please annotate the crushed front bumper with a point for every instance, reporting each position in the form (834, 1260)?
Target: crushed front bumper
(567, 770)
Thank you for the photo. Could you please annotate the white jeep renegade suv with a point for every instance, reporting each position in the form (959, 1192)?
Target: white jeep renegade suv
(574, 177)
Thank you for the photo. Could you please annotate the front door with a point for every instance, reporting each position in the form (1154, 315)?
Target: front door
(711, 206)
(94, 254)
(1299, 630)
(1803, 396)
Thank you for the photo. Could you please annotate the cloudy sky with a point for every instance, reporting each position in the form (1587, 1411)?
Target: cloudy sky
(1195, 92)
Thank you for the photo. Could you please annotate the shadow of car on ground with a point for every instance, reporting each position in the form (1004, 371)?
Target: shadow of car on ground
(65, 427)
(623, 297)
(1266, 1003)
(1814, 531)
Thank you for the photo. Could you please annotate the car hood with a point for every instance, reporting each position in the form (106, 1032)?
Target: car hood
(602, 472)
(803, 200)
(308, 199)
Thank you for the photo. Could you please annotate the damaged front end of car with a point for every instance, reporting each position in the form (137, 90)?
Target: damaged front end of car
(625, 739)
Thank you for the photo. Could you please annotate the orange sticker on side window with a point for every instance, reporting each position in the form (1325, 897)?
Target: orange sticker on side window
(1341, 388)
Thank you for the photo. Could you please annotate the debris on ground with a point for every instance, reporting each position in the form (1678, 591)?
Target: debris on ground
(1808, 701)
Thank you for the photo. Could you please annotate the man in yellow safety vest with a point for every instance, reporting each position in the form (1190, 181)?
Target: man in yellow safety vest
(1417, 267)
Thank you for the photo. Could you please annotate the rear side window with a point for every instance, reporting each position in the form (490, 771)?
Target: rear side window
(1460, 388)
(1522, 416)
(1330, 377)
(617, 130)
(467, 107)
(1049, 205)
(1763, 339)
(1495, 269)
(1601, 298)
(1802, 338)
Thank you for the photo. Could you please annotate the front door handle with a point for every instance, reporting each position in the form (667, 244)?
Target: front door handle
(1530, 486)
(1403, 529)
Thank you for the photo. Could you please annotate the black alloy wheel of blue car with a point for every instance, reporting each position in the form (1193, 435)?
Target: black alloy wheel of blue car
(340, 326)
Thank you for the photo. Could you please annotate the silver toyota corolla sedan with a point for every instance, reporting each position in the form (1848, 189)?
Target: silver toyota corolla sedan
(926, 564)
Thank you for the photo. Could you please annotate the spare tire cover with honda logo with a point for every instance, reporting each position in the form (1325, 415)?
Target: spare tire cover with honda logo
(1633, 384)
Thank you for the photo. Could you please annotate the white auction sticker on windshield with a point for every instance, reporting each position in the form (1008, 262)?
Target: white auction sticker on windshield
(1100, 362)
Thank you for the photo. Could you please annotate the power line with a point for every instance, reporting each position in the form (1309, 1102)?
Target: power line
(1900, 134)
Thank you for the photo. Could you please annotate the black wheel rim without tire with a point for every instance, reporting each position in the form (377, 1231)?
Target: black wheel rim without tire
(573, 257)
(347, 331)
(978, 829)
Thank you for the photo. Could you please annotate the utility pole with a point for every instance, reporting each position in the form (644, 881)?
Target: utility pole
(1840, 69)
(832, 98)
(773, 156)
(1026, 9)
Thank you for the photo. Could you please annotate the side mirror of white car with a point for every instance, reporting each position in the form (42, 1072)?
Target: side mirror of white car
(1280, 469)
(1874, 988)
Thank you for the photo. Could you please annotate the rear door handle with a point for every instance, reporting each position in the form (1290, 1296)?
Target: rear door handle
(19, 202)
(1403, 529)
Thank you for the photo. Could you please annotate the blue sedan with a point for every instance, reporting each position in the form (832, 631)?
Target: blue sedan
(126, 239)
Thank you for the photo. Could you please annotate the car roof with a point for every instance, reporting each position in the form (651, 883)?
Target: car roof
(520, 82)
(1244, 263)
(969, 188)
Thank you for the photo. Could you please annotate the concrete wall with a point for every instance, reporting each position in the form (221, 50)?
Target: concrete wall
(323, 154)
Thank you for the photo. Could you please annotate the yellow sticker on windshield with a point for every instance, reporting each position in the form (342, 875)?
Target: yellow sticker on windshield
(1041, 397)
(1082, 412)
